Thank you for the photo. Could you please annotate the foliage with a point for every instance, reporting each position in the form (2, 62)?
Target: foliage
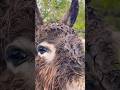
(110, 11)
(53, 10)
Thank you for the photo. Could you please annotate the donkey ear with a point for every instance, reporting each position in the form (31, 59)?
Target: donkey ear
(38, 18)
(71, 15)
(65, 18)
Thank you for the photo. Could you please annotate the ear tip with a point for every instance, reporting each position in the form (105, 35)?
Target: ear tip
(38, 17)
(71, 15)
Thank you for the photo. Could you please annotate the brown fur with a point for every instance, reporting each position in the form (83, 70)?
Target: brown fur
(68, 64)
(17, 21)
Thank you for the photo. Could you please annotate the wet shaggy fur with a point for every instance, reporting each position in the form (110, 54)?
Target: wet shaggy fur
(102, 47)
(69, 63)
(67, 67)
(17, 20)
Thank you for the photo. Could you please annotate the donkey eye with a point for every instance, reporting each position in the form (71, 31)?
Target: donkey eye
(42, 49)
(16, 55)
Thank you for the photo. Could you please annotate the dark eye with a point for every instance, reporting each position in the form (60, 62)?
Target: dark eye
(42, 49)
(16, 55)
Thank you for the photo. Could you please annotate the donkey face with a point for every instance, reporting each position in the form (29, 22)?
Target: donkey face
(59, 63)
